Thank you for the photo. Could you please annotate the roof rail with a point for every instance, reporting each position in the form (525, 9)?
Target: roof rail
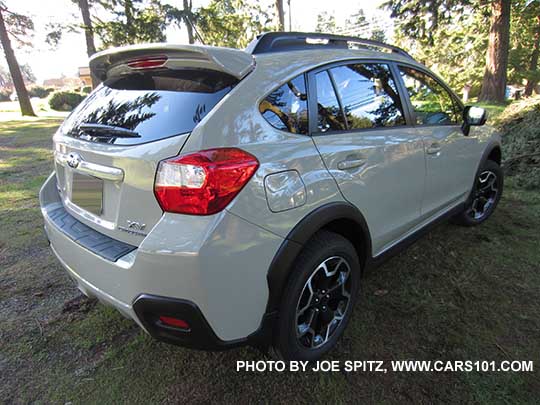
(294, 41)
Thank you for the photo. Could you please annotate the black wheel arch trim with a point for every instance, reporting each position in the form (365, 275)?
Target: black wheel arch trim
(290, 248)
(488, 150)
(485, 155)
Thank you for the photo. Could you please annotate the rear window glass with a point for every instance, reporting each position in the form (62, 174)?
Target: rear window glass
(368, 95)
(155, 105)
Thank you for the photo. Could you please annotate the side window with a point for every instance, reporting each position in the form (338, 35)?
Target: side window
(432, 103)
(329, 116)
(286, 107)
(368, 95)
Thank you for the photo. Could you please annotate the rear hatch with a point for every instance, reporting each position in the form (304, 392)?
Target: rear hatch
(108, 149)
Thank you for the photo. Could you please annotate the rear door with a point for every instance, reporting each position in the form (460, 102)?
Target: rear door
(450, 155)
(107, 150)
(360, 127)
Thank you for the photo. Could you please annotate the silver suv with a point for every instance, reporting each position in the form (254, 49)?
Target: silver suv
(221, 197)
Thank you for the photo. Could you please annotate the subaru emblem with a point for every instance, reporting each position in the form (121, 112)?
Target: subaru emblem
(73, 160)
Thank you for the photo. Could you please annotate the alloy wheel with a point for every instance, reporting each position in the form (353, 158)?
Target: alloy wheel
(484, 196)
(323, 303)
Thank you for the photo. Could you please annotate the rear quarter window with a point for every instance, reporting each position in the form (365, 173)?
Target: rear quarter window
(286, 107)
(155, 105)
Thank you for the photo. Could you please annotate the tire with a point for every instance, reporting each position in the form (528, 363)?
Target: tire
(325, 306)
(484, 197)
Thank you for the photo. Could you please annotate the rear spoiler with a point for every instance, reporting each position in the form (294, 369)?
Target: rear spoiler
(119, 61)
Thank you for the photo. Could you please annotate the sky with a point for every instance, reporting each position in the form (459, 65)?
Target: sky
(71, 52)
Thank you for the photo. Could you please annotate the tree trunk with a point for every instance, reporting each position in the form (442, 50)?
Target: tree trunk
(281, 14)
(15, 70)
(88, 34)
(188, 20)
(128, 12)
(290, 15)
(494, 82)
(531, 84)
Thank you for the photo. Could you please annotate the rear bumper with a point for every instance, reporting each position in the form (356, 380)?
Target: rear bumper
(91, 290)
(211, 269)
(199, 336)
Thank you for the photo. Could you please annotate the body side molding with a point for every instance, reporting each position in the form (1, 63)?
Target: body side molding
(411, 239)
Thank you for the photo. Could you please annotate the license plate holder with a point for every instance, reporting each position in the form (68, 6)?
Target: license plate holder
(87, 193)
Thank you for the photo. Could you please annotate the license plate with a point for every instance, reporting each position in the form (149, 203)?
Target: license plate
(87, 193)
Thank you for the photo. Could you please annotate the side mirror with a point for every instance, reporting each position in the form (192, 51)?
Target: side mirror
(473, 116)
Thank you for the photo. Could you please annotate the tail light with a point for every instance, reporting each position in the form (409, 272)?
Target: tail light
(204, 182)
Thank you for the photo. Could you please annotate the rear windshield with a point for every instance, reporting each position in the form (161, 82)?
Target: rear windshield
(154, 105)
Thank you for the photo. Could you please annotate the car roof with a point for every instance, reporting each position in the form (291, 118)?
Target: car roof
(279, 63)
(315, 55)
(287, 41)
(278, 53)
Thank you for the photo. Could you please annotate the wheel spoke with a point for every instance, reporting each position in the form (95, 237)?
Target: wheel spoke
(487, 182)
(339, 314)
(342, 278)
(306, 327)
(310, 299)
(332, 325)
(327, 336)
(327, 272)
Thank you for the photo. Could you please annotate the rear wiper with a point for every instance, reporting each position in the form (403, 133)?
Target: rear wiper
(102, 131)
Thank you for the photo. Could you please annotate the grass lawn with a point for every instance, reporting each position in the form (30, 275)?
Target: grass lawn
(11, 110)
(457, 294)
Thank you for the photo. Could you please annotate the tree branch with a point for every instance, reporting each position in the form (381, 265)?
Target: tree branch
(19, 40)
(521, 157)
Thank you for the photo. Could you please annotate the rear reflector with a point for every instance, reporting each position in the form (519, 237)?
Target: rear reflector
(204, 182)
(174, 322)
(149, 62)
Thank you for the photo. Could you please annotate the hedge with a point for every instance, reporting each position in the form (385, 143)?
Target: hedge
(65, 100)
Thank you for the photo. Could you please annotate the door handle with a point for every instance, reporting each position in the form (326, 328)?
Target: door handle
(434, 148)
(350, 164)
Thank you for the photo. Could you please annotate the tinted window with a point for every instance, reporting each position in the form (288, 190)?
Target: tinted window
(156, 105)
(329, 116)
(286, 107)
(432, 103)
(368, 95)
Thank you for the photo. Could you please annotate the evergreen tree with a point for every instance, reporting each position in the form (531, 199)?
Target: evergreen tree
(136, 21)
(436, 27)
(494, 82)
(326, 23)
(525, 44)
(233, 23)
